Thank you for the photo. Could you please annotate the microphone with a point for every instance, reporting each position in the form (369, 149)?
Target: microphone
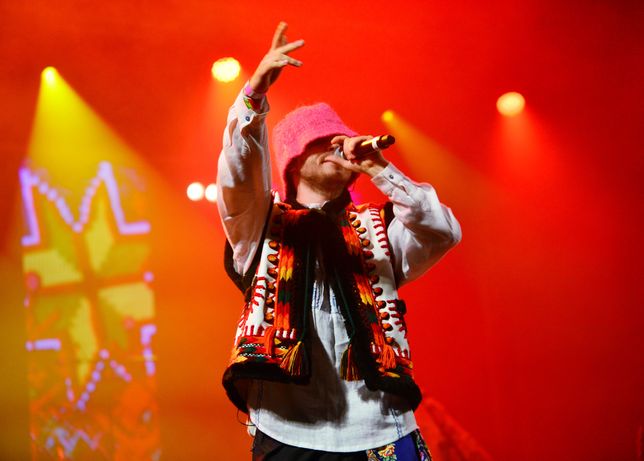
(370, 145)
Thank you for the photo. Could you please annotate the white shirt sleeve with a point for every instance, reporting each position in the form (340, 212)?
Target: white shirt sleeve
(244, 180)
(422, 230)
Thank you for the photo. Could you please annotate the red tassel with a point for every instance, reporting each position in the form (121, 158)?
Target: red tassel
(348, 369)
(294, 360)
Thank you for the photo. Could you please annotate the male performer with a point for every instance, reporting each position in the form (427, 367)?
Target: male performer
(321, 361)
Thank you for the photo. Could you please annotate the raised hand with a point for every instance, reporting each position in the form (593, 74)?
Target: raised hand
(277, 57)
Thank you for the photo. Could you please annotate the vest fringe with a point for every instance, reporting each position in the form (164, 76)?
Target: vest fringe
(294, 361)
(348, 367)
(388, 357)
(269, 336)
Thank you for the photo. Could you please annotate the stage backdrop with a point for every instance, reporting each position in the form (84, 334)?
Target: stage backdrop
(117, 318)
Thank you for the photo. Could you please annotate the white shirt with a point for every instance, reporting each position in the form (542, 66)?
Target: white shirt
(329, 413)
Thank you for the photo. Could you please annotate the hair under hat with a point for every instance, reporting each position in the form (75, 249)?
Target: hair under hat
(300, 128)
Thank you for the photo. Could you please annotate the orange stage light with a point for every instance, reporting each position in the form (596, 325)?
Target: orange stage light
(211, 192)
(510, 104)
(226, 69)
(195, 191)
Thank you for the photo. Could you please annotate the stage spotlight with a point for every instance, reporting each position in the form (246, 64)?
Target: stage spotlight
(49, 74)
(211, 192)
(195, 191)
(226, 69)
(510, 104)
(387, 116)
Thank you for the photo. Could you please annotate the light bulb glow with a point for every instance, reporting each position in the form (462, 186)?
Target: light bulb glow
(388, 115)
(195, 191)
(226, 69)
(510, 104)
(211, 192)
(49, 74)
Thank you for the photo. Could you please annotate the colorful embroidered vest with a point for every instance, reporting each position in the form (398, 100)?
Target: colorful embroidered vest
(272, 340)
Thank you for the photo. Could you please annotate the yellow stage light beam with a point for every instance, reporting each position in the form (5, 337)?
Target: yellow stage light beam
(69, 139)
(430, 162)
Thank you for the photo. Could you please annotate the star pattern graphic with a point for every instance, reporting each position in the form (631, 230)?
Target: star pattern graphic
(90, 319)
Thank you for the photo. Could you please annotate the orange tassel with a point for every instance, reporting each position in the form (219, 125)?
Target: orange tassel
(269, 336)
(388, 357)
(348, 369)
(294, 360)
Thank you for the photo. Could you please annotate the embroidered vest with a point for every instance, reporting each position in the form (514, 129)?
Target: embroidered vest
(272, 340)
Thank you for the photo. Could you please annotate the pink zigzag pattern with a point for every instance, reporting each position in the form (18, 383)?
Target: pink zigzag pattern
(30, 181)
(69, 440)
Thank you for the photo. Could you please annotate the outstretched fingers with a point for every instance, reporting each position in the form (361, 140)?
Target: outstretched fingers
(285, 61)
(280, 58)
(279, 37)
(277, 57)
(287, 48)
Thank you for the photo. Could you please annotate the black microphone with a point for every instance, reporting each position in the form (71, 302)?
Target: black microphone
(370, 145)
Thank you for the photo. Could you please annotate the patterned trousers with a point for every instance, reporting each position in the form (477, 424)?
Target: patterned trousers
(409, 448)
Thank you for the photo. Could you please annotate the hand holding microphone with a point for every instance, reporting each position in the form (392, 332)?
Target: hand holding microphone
(368, 146)
(362, 154)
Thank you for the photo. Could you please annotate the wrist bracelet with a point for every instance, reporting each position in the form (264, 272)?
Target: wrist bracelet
(252, 94)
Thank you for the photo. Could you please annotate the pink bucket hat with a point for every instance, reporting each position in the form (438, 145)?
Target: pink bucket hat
(301, 127)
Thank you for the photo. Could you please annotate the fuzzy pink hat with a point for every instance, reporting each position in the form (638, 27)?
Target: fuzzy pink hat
(301, 127)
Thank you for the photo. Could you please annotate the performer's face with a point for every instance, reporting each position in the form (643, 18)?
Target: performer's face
(315, 168)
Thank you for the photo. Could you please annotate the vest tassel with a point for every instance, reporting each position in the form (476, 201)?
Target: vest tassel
(348, 368)
(294, 361)
(269, 335)
(388, 357)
